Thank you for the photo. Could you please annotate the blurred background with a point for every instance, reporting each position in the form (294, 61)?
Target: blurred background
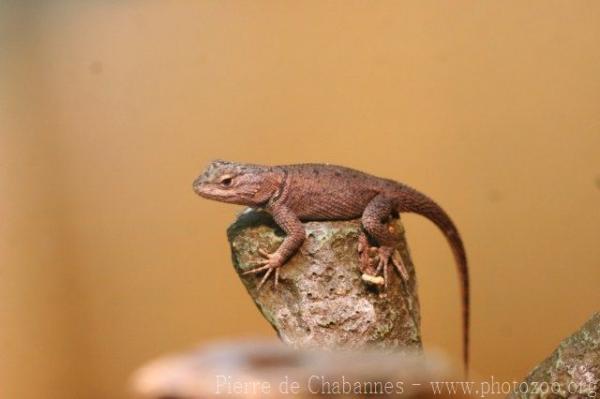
(110, 109)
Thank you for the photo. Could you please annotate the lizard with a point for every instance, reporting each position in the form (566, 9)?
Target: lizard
(293, 194)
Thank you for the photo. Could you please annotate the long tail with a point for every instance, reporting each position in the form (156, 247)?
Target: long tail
(411, 200)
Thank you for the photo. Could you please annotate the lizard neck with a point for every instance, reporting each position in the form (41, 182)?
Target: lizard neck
(282, 177)
(272, 185)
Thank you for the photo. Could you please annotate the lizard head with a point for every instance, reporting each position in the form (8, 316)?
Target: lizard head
(235, 183)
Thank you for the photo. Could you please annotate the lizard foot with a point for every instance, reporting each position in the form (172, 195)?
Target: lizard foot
(386, 256)
(272, 262)
(364, 253)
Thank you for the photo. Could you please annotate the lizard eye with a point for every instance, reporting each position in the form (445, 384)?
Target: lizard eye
(226, 182)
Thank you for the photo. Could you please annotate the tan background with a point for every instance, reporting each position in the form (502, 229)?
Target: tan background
(110, 109)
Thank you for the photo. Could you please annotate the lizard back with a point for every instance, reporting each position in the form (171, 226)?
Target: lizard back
(325, 192)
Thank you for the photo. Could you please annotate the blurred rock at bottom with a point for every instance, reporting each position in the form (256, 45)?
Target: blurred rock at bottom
(257, 369)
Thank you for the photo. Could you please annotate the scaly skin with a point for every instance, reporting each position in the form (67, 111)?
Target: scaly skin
(296, 193)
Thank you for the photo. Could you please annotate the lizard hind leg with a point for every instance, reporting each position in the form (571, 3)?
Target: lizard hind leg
(375, 220)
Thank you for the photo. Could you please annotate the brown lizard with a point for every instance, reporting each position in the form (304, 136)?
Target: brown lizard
(305, 192)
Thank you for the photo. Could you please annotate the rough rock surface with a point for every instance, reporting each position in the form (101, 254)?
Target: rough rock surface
(571, 371)
(321, 301)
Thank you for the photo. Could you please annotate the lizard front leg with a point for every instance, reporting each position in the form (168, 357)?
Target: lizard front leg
(295, 234)
(375, 221)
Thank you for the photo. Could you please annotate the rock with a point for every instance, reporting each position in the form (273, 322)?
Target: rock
(571, 371)
(322, 301)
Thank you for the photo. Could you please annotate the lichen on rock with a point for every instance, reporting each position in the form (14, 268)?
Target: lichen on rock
(571, 371)
(321, 301)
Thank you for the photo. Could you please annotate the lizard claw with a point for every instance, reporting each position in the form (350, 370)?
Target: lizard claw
(264, 253)
(271, 262)
(397, 261)
(382, 264)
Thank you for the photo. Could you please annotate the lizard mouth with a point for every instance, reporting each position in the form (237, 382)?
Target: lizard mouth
(198, 186)
(202, 189)
(210, 192)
